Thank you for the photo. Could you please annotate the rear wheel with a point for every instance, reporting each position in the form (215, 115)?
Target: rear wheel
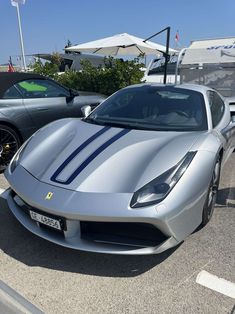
(9, 144)
(212, 194)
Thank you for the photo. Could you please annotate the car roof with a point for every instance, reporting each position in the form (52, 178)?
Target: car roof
(7, 79)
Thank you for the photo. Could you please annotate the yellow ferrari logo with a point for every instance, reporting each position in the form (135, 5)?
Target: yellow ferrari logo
(49, 196)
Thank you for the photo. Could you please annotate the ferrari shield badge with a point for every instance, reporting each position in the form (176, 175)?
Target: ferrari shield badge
(49, 196)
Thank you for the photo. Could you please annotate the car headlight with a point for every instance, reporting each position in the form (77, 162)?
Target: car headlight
(16, 158)
(156, 190)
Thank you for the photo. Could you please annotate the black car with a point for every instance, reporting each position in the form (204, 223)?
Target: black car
(28, 101)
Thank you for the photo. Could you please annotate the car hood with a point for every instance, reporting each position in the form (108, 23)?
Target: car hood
(84, 157)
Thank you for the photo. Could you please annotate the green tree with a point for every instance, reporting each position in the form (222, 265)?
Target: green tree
(107, 79)
(48, 68)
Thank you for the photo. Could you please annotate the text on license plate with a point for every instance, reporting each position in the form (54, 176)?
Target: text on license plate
(45, 220)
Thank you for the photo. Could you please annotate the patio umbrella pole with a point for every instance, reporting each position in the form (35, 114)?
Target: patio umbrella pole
(166, 53)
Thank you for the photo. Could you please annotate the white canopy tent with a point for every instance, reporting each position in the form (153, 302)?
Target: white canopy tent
(121, 44)
(210, 51)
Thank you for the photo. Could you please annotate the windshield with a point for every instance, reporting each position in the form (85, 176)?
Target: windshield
(153, 108)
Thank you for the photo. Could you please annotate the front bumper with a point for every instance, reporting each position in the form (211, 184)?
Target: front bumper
(74, 238)
(89, 215)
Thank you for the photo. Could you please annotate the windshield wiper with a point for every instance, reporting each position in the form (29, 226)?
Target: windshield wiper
(126, 125)
(91, 120)
(105, 122)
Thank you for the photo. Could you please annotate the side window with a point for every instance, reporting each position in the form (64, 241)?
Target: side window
(217, 107)
(41, 89)
(12, 93)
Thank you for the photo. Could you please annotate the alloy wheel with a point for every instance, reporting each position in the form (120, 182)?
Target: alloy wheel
(9, 144)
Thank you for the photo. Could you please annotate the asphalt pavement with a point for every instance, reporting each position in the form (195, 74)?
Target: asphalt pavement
(60, 280)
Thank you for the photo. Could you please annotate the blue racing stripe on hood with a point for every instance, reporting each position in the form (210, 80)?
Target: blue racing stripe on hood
(77, 151)
(91, 157)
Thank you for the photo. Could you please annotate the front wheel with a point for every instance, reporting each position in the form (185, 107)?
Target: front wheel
(212, 194)
(9, 144)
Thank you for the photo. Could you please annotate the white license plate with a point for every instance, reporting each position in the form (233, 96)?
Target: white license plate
(45, 220)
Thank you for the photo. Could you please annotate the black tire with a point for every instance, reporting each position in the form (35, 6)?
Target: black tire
(209, 205)
(9, 144)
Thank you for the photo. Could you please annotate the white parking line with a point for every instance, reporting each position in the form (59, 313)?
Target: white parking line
(215, 283)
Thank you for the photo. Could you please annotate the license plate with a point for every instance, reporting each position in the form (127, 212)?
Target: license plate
(48, 221)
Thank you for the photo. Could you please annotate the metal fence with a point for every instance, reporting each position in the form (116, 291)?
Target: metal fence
(219, 77)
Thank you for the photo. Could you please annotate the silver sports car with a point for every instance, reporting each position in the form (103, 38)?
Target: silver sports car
(136, 176)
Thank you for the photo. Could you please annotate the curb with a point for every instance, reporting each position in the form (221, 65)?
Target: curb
(14, 302)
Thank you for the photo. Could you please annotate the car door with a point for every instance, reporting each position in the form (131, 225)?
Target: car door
(220, 122)
(45, 100)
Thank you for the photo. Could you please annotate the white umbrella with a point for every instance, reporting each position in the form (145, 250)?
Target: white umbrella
(121, 44)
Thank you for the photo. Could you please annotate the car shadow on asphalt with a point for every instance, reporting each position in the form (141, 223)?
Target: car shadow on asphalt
(226, 197)
(31, 250)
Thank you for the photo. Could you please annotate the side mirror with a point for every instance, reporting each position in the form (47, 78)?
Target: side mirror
(69, 99)
(72, 95)
(86, 110)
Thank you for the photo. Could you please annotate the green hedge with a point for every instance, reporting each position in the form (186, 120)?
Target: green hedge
(106, 80)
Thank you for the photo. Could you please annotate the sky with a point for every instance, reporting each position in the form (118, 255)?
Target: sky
(48, 24)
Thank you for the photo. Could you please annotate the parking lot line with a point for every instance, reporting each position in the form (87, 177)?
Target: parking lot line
(215, 283)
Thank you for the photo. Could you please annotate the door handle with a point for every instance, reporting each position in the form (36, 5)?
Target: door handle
(42, 109)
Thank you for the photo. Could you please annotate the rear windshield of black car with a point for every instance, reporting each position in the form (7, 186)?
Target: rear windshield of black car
(153, 108)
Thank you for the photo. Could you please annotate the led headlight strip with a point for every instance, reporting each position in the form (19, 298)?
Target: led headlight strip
(156, 190)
